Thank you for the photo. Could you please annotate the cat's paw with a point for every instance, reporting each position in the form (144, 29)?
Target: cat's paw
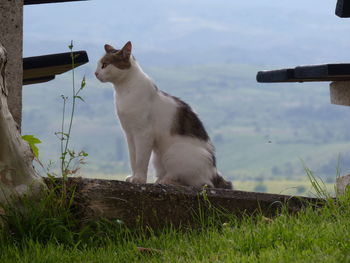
(136, 179)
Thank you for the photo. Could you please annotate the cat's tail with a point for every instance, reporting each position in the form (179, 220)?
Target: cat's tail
(219, 182)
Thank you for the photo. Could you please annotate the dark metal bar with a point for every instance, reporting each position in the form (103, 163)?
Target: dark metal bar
(44, 68)
(324, 72)
(52, 60)
(36, 2)
(343, 8)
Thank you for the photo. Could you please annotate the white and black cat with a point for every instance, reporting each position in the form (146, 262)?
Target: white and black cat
(157, 123)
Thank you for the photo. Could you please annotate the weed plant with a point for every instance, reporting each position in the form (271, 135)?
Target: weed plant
(48, 216)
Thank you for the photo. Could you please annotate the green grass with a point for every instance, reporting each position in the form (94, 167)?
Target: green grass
(310, 236)
(321, 235)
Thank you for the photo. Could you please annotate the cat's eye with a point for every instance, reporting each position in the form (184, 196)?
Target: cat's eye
(104, 65)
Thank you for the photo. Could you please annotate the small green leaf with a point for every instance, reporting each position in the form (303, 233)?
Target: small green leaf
(83, 153)
(71, 45)
(62, 133)
(32, 141)
(83, 83)
(71, 153)
(78, 97)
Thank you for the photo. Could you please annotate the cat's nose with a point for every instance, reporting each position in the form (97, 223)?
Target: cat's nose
(96, 74)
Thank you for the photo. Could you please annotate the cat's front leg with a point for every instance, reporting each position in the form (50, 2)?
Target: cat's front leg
(143, 150)
(132, 153)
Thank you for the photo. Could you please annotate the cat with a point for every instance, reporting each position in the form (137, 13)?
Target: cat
(157, 123)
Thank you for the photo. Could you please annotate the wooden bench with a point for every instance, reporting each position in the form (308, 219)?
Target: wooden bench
(325, 72)
(44, 68)
(338, 74)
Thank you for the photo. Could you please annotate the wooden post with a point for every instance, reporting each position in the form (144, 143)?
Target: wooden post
(340, 93)
(11, 37)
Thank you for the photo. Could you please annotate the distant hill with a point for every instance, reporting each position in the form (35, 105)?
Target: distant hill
(259, 130)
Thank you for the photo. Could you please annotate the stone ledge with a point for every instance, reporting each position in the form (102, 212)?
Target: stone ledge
(157, 205)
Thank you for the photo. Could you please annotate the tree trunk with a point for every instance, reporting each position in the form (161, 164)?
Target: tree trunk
(17, 174)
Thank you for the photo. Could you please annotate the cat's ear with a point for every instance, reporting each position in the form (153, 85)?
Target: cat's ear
(109, 48)
(127, 49)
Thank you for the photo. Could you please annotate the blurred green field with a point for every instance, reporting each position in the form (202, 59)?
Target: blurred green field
(260, 131)
(286, 187)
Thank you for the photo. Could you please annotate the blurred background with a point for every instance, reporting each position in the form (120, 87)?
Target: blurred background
(208, 53)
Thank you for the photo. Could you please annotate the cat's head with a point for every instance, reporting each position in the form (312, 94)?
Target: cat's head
(112, 67)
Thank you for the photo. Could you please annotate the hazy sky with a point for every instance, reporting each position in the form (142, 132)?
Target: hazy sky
(301, 31)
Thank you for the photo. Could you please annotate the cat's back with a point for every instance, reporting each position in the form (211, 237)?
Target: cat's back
(164, 110)
(175, 121)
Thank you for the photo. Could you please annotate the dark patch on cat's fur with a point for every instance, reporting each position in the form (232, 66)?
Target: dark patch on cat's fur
(213, 159)
(219, 182)
(116, 58)
(186, 122)
(197, 124)
(156, 88)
